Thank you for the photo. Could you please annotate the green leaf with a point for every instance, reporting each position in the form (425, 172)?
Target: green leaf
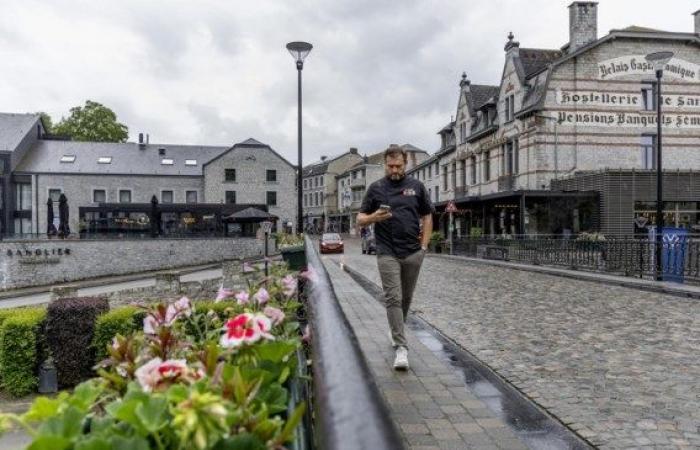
(85, 394)
(285, 374)
(240, 442)
(292, 422)
(177, 393)
(94, 443)
(50, 443)
(67, 424)
(153, 413)
(43, 408)
(275, 351)
(126, 412)
(275, 397)
(131, 443)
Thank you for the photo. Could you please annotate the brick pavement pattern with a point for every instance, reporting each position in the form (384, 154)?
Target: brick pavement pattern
(620, 366)
(430, 404)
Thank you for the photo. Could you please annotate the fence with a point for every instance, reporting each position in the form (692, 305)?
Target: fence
(349, 410)
(619, 256)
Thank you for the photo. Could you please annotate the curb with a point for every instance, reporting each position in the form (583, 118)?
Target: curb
(614, 280)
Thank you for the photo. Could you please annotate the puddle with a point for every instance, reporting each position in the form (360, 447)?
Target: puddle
(530, 424)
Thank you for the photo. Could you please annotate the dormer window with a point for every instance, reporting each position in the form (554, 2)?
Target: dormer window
(68, 159)
(161, 151)
(167, 161)
(104, 160)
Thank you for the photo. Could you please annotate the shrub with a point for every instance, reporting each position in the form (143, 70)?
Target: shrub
(22, 348)
(122, 321)
(70, 323)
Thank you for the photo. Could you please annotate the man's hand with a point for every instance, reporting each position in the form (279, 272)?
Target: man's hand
(381, 215)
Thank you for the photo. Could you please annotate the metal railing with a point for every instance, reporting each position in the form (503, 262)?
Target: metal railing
(349, 409)
(128, 235)
(619, 256)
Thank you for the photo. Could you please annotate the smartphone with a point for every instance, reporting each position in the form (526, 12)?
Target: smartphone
(385, 207)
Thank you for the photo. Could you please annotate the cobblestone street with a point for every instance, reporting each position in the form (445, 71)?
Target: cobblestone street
(619, 366)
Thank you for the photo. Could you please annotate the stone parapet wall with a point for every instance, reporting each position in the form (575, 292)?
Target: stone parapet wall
(44, 262)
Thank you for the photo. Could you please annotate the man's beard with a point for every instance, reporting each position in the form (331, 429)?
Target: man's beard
(396, 176)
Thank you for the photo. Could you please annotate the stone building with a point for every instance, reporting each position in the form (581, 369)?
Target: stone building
(319, 188)
(558, 113)
(113, 180)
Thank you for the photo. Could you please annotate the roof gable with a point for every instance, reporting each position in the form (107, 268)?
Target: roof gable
(14, 127)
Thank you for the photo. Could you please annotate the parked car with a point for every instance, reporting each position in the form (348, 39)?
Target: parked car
(369, 245)
(331, 243)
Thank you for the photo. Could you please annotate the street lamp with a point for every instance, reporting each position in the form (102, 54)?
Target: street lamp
(659, 61)
(299, 51)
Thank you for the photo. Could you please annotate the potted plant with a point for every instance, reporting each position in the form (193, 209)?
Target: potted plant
(435, 243)
(593, 241)
(291, 246)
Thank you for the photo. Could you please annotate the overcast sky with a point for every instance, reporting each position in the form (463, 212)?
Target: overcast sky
(217, 72)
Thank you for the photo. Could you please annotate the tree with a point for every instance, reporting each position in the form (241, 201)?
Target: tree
(92, 122)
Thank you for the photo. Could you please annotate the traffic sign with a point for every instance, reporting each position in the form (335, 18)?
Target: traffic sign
(451, 207)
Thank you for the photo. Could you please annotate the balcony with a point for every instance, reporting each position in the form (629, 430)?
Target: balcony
(506, 183)
(357, 183)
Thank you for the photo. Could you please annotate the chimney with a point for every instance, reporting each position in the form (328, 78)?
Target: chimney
(147, 138)
(353, 150)
(323, 158)
(583, 24)
(697, 21)
(141, 143)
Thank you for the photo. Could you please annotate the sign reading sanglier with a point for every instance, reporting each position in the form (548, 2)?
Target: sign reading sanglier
(637, 65)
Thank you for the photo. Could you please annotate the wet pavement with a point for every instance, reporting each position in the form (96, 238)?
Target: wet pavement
(620, 366)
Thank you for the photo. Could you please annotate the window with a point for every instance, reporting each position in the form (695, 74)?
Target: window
(321, 198)
(321, 181)
(271, 175)
(124, 196)
(191, 196)
(167, 161)
(508, 158)
(23, 197)
(463, 132)
(454, 175)
(648, 151)
(190, 162)
(437, 169)
(516, 156)
(510, 107)
(648, 98)
(231, 197)
(68, 158)
(271, 198)
(316, 181)
(166, 196)
(54, 195)
(444, 178)
(472, 169)
(487, 166)
(430, 169)
(463, 173)
(305, 183)
(437, 194)
(354, 174)
(104, 160)
(230, 175)
(315, 198)
(99, 196)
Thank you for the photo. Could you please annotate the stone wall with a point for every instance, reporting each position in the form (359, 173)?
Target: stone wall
(44, 262)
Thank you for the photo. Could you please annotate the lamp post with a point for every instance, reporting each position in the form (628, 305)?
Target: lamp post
(659, 61)
(299, 51)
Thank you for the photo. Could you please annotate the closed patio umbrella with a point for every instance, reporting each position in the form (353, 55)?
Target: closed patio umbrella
(63, 228)
(50, 227)
(155, 217)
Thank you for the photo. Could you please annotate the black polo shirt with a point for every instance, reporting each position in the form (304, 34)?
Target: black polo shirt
(409, 201)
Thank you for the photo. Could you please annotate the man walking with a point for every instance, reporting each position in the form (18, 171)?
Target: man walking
(398, 206)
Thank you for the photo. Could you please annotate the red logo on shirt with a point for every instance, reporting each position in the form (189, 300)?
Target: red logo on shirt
(409, 191)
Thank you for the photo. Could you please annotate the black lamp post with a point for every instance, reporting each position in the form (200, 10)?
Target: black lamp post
(299, 51)
(659, 60)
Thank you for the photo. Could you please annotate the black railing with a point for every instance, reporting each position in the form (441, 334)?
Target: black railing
(349, 410)
(619, 256)
(131, 235)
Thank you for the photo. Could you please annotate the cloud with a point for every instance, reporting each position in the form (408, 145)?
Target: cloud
(215, 72)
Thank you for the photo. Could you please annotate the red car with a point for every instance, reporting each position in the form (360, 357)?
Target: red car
(331, 243)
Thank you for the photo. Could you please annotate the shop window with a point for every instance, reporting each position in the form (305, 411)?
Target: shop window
(23, 197)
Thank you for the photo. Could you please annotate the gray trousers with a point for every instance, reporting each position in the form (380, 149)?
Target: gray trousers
(399, 276)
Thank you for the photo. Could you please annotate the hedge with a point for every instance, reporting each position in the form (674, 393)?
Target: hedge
(124, 321)
(22, 349)
(70, 323)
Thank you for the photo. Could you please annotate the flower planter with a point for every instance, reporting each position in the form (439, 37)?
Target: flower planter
(295, 257)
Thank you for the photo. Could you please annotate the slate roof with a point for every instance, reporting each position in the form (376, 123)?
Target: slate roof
(479, 94)
(127, 158)
(316, 169)
(13, 128)
(534, 60)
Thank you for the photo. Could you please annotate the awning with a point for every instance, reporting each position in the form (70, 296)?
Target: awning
(250, 215)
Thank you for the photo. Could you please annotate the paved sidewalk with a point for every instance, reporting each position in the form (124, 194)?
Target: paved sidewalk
(430, 403)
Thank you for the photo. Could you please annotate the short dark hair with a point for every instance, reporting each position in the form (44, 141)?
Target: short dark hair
(395, 150)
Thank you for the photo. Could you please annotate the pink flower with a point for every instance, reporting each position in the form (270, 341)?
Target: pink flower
(246, 328)
(306, 337)
(243, 298)
(223, 293)
(310, 274)
(182, 307)
(276, 315)
(156, 372)
(289, 284)
(150, 324)
(262, 296)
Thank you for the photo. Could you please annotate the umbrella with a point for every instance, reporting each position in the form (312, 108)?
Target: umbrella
(63, 228)
(155, 217)
(50, 227)
(251, 214)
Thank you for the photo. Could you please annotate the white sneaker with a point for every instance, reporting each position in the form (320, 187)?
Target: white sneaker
(401, 361)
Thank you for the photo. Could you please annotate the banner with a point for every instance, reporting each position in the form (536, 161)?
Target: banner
(636, 65)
